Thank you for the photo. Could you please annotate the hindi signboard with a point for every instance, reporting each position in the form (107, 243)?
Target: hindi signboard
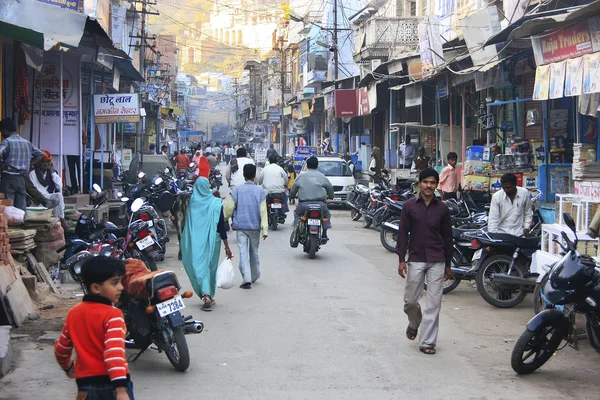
(116, 107)
(570, 42)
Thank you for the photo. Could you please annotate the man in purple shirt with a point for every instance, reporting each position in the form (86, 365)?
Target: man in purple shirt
(427, 220)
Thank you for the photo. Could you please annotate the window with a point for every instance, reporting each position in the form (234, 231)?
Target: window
(413, 8)
(334, 168)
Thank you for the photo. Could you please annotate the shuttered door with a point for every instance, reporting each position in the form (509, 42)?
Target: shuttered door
(535, 131)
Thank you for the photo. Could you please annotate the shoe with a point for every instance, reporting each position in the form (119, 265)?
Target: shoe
(206, 303)
(246, 285)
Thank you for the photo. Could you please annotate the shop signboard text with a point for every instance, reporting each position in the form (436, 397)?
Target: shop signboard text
(574, 41)
(116, 107)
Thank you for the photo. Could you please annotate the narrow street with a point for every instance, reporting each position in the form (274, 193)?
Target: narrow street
(330, 328)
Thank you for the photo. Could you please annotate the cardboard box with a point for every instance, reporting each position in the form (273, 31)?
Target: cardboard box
(475, 153)
(476, 167)
(476, 183)
(495, 184)
(530, 180)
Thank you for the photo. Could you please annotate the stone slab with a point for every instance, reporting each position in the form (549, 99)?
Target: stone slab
(5, 350)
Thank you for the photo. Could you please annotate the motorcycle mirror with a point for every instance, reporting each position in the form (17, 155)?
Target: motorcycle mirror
(158, 181)
(136, 205)
(569, 221)
(124, 199)
(192, 165)
(167, 170)
(119, 194)
(141, 175)
(97, 188)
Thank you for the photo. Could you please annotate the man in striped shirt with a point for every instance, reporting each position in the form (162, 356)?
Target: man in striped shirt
(96, 330)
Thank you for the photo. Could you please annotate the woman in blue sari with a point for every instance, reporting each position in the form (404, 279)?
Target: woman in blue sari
(201, 241)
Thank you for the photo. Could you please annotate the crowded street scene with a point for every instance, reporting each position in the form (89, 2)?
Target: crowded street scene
(299, 199)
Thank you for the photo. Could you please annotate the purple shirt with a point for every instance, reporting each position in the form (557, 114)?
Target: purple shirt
(430, 232)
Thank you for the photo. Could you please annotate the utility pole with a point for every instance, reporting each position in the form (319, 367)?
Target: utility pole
(283, 136)
(237, 110)
(335, 39)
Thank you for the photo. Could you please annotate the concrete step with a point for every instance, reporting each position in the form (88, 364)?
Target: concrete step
(5, 350)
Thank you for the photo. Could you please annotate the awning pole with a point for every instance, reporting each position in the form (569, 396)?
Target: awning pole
(92, 130)
(62, 119)
(464, 128)
(81, 146)
(450, 102)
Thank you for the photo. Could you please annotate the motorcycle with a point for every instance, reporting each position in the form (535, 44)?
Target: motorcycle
(275, 205)
(390, 227)
(358, 200)
(216, 180)
(310, 231)
(573, 287)
(502, 263)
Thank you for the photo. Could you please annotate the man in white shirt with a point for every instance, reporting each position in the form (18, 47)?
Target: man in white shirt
(49, 184)
(274, 180)
(235, 171)
(510, 211)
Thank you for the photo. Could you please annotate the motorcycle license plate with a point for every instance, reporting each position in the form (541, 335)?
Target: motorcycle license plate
(150, 223)
(144, 243)
(170, 306)
(477, 255)
(337, 199)
(276, 205)
(316, 222)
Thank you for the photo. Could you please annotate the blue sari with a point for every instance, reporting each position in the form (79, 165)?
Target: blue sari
(200, 242)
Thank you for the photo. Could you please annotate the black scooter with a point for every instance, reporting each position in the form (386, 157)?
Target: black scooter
(573, 287)
(275, 206)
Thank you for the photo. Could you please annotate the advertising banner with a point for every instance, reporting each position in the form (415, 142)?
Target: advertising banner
(301, 153)
(570, 42)
(274, 113)
(430, 44)
(363, 101)
(412, 96)
(574, 77)
(591, 73)
(116, 107)
(47, 96)
(557, 79)
(542, 83)
(345, 103)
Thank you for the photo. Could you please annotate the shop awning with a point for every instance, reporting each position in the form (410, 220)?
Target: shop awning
(40, 24)
(480, 68)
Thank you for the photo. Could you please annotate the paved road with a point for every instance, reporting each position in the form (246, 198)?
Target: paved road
(332, 328)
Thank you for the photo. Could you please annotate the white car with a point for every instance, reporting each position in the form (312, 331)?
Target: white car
(338, 172)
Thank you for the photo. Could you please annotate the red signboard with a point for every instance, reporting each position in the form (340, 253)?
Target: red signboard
(570, 42)
(345, 103)
(362, 96)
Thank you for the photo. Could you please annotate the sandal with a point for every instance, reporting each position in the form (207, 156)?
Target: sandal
(411, 333)
(427, 350)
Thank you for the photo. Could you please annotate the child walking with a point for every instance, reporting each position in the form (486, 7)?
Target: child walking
(96, 330)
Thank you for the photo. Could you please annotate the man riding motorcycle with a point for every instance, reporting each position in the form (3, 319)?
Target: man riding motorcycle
(311, 187)
(274, 180)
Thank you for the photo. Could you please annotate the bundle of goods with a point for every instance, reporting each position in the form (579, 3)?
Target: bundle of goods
(50, 238)
(505, 161)
(21, 240)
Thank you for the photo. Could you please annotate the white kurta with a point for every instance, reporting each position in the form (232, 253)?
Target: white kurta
(59, 211)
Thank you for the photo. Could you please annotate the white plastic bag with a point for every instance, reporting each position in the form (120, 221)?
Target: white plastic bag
(225, 275)
(14, 215)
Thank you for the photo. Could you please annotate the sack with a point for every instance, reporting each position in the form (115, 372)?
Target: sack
(14, 215)
(233, 164)
(225, 275)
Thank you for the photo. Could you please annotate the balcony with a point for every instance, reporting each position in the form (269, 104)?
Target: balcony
(386, 38)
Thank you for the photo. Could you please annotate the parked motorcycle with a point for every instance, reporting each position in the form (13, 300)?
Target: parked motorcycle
(310, 231)
(573, 287)
(275, 206)
(358, 200)
(388, 234)
(503, 267)
(216, 180)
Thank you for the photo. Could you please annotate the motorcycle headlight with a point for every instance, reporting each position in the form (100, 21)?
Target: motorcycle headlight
(350, 187)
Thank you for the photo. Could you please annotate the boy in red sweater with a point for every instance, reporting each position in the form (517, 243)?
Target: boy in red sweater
(96, 329)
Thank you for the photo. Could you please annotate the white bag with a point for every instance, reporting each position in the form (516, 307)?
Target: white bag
(225, 275)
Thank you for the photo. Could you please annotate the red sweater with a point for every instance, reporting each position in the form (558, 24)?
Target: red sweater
(96, 330)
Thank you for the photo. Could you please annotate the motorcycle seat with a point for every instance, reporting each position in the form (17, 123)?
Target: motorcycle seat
(272, 196)
(119, 232)
(137, 275)
(457, 233)
(517, 241)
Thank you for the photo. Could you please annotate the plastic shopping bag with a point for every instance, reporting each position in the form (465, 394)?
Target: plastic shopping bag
(225, 275)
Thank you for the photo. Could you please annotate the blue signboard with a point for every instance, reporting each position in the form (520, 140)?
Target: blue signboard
(301, 153)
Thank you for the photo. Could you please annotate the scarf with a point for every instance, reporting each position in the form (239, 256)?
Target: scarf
(46, 181)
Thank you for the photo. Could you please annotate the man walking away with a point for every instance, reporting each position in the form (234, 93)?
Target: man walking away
(235, 172)
(449, 178)
(247, 205)
(274, 179)
(16, 154)
(311, 187)
(212, 161)
(271, 151)
(510, 210)
(427, 220)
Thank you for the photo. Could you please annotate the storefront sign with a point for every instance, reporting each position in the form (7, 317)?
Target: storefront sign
(477, 28)
(488, 79)
(129, 128)
(542, 82)
(574, 77)
(430, 44)
(589, 189)
(274, 113)
(442, 86)
(363, 101)
(557, 79)
(345, 103)
(570, 42)
(295, 112)
(591, 73)
(305, 107)
(167, 124)
(47, 105)
(301, 153)
(116, 107)
(69, 4)
(412, 96)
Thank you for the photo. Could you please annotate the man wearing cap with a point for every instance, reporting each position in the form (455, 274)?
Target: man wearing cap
(49, 184)
(16, 154)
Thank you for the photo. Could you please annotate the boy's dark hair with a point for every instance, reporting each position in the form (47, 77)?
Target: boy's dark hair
(100, 269)
(8, 124)
(241, 152)
(273, 159)
(249, 171)
(428, 173)
(290, 168)
(452, 156)
(312, 163)
(509, 178)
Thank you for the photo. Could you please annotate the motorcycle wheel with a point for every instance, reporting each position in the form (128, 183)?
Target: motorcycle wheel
(312, 247)
(499, 296)
(177, 352)
(367, 221)
(389, 237)
(540, 345)
(592, 333)
(274, 224)
(355, 215)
